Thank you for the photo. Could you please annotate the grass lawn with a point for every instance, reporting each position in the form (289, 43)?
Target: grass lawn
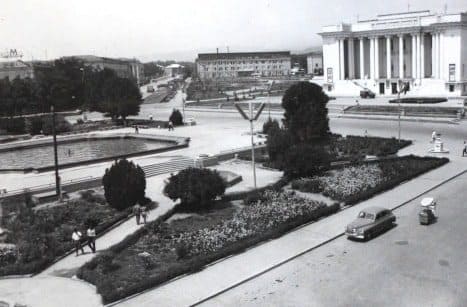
(41, 235)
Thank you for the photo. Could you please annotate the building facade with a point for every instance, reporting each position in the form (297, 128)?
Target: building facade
(243, 64)
(427, 51)
(12, 66)
(314, 63)
(124, 68)
(173, 70)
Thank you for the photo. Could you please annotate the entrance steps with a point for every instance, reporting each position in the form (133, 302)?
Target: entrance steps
(172, 166)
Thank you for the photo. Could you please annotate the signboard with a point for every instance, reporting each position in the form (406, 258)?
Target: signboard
(452, 72)
(329, 74)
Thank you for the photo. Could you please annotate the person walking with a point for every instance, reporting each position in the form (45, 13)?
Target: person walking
(171, 126)
(136, 129)
(144, 214)
(137, 213)
(464, 151)
(433, 136)
(91, 234)
(76, 237)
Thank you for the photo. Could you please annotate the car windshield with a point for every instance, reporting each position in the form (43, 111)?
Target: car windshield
(365, 215)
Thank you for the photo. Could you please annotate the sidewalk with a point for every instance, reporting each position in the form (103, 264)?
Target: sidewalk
(193, 289)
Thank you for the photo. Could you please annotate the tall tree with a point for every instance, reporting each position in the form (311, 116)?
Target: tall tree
(306, 114)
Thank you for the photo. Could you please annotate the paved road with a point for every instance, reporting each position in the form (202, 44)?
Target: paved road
(409, 265)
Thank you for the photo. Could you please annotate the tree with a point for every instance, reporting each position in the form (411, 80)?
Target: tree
(305, 160)
(176, 118)
(120, 98)
(277, 145)
(306, 114)
(195, 187)
(270, 124)
(124, 184)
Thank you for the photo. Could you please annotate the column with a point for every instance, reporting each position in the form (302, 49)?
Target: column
(341, 60)
(372, 57)
(422, 56)
(388, 57)
(414, 56)
(433, 55)
(362, 59)
(441, 56)
(401, 56)
(351, 55)
(376, 58)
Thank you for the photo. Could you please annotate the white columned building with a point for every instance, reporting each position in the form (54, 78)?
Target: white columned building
(427, 51)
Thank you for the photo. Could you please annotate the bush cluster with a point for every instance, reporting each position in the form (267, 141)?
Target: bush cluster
(176, 118)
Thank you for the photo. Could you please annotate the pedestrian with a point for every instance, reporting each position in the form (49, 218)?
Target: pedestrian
(464, 151)
(150, 117)
(433, 136)
(366, 133)
(137, 213)
(144, 214)
(76, 237)
(136, 129)
(91, 234)
(171, 126)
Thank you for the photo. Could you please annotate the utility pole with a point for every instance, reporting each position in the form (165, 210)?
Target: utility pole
(57, 177)
(251, 118)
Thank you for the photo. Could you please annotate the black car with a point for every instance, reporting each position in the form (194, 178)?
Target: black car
(366, 93)
(370, 222)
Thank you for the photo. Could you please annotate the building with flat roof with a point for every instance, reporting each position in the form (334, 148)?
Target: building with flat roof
(243, 64)
(427, 51)
(124, 68)
(12, 66)
(314, 63)
(173, 70)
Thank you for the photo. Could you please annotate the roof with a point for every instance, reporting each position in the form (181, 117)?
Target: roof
(236, 55)
(373, 209)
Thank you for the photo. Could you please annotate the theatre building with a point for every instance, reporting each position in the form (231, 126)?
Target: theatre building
(424, 50)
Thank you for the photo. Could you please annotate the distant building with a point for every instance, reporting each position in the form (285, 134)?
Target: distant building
(12, 66)
(125, 68)
(243, 64)
(173, 70)
(424, 50)
(314, 63)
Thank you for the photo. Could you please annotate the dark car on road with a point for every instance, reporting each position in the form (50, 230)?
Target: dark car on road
(370, 222)
(366, 93)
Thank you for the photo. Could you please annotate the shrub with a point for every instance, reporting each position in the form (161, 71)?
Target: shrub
(124, 184)
(305, 160)
(270, 123)
(15, 125)
(196, 187)
(277, 144)
(176, 118)
(33, 125)
(61, 124)
(308, 185)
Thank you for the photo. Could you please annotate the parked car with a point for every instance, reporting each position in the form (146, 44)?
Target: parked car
(370, 222)
(366, 93)
(150, 89)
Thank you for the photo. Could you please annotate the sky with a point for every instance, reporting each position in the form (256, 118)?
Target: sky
(179, 29)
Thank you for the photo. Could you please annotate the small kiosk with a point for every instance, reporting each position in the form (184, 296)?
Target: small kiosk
(428, 213)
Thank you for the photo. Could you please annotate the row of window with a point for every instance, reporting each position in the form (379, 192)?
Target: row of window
(236, 62)
(238, 68)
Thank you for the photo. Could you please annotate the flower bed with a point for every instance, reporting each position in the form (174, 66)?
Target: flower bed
(353, 145)
(167, 250)
(41, 236)
(355, 183)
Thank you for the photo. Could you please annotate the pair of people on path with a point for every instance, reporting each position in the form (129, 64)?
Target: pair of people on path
(140, 212)
(90, 239)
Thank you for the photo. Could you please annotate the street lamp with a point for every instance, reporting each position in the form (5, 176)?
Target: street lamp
(57, 177)
(251, 118)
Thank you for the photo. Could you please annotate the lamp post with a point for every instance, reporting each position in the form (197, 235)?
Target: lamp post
(251, 118)
(57, 177)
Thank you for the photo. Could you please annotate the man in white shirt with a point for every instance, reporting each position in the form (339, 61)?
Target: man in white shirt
(76, 237)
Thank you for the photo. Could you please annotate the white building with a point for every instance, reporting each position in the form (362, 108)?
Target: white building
(314, 63)
(173, 70)
(428, 51)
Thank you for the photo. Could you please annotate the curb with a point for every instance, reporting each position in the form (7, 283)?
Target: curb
(316, 246)
(414, 119)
